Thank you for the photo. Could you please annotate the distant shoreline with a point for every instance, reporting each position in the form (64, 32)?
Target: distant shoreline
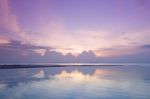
(41, 66)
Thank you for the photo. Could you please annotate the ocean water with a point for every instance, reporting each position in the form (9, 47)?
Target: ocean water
(128, 81)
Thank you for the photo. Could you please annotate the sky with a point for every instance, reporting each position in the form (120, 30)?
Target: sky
(74, 31)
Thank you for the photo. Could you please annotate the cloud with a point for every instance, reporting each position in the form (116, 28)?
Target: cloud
(2, 86)
(87, 56)
(55, 42)
(19, 52)
(51, 31)
(16, 51)
(116, 51)
(3, 40)
(40, 51)
(24, 48)
(145, 46)
(22, 45)
(8, 20)
(9, 24)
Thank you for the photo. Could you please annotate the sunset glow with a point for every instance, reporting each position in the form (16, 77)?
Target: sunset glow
(107, 28)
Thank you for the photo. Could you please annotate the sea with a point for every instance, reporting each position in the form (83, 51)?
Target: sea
(75, 81)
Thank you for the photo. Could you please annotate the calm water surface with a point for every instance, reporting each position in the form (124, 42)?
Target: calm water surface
(97, 82)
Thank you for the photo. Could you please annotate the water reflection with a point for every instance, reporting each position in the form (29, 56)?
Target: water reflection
(39, 74)
(74, 83)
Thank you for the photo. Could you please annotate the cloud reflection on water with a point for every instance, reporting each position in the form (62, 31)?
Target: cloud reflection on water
(78, 85)
(40, 74)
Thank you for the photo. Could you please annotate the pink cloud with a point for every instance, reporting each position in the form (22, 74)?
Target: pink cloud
(8, 20)
(4, 40)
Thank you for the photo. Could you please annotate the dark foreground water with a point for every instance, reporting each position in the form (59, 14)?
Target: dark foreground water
(77, 82)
